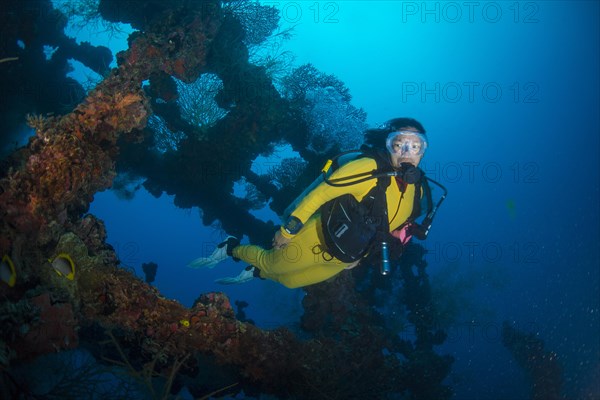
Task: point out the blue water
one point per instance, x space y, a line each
509 95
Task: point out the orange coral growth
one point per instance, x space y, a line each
105 115
178 67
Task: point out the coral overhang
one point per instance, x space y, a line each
46 190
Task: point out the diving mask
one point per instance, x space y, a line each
406 143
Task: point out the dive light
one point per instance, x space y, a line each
385 259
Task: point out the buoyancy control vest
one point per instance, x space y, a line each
350 227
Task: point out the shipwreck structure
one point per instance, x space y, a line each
46 188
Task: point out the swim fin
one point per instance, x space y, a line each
246 275
221 253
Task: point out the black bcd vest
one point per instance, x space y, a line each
351 227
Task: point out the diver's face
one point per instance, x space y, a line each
407 148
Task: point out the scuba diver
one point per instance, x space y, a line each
364 210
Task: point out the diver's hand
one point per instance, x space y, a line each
279 242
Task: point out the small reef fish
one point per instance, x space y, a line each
8 274
64 266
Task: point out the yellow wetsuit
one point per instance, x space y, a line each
302 261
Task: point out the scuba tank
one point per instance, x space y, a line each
356 230
326 171
420 231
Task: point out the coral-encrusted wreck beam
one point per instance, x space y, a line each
48 187
71 157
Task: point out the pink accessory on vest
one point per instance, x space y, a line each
402 234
